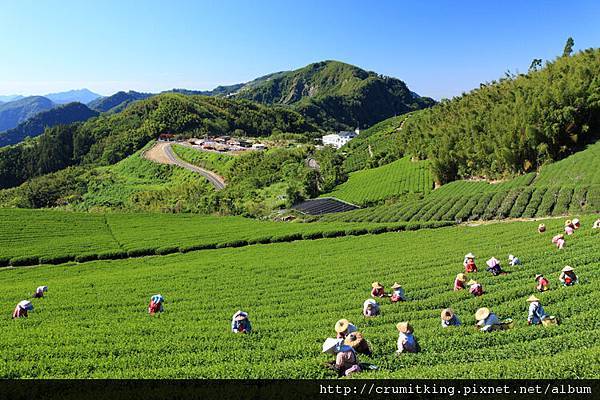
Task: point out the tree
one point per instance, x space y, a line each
535 64
568 47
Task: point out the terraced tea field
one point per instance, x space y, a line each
93 322
568 186
396 179
28 237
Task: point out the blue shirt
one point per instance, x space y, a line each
454 321
244 324
536 313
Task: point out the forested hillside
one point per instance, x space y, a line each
108 139
336 95
513 125
118 101
34 126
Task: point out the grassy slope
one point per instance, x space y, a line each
93 322
219 163
392 180
136 183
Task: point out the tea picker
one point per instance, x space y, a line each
240 322
39 292
156 304
459 282
475 288
370 308
542 283
494 267
469 263
449 318
537 315
346 361
513 261
567 276
22 308
559 241
487 321
378 290
407 343
398 293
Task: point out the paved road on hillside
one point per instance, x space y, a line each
163 153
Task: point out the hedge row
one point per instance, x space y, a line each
148 251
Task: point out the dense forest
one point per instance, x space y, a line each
336 95
513 125
108 139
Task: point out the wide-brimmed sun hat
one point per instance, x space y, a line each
567 269
404 327
330 345
447 314
369 302
538 276
470 255
376 285
511 257
482 313
353 339
568 222
532 298
461 277
575 221
472 282
26 304
342 325
396 285
492 262
240 315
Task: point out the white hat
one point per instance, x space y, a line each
575 221
470 255
240 315
567 269
511 257
492 261
331 345
369 302
26 304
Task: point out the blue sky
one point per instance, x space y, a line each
439 48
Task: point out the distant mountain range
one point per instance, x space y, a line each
329 94
12 97
15 112
80 95
34 126
118 101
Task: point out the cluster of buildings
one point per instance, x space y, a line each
339 139
226 143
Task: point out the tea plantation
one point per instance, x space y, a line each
567 186
93 321
396 179
30 237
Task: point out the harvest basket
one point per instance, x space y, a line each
550 321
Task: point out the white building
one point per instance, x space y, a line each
337 140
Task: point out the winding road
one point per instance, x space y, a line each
162 152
